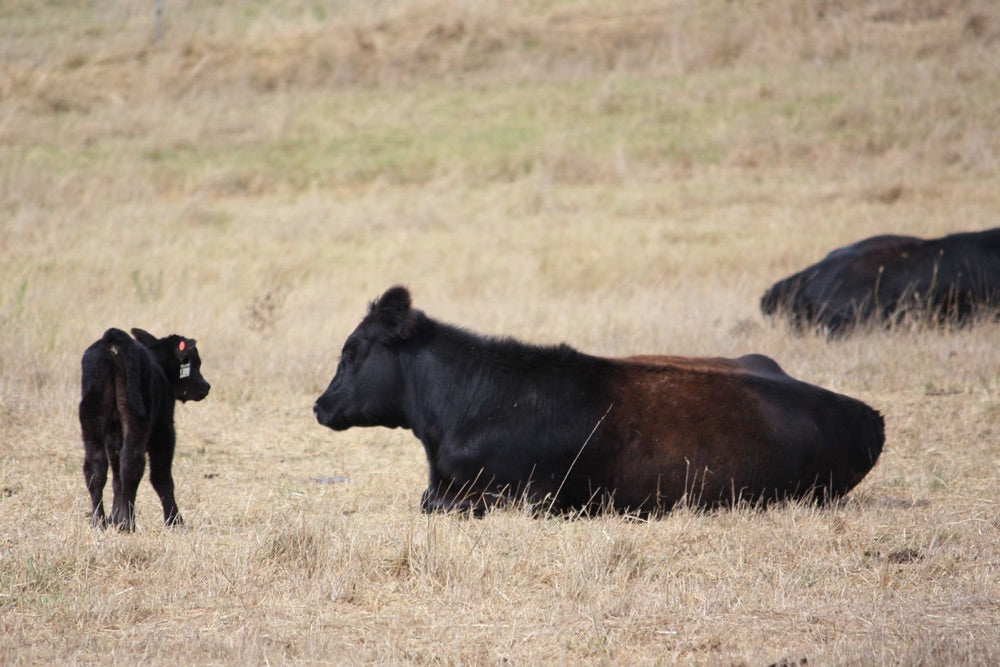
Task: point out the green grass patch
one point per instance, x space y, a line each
492 131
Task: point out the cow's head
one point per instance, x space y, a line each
178 357
367 389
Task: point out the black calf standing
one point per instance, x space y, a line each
127 412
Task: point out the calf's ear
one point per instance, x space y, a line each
145 337
394 313
182 346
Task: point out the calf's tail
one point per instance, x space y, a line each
127 357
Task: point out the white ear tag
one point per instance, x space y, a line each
185 370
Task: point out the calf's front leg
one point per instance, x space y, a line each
460 503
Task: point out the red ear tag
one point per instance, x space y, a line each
180 346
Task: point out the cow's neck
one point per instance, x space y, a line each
457 380
440 388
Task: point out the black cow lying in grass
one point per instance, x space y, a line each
127 412
886 278
570 432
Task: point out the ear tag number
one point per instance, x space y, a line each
185 370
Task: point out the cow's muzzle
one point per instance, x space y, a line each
326 417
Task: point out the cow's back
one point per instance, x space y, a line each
967 271
945 277
886 276
716 430
845 285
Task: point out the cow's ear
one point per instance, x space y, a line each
145 337
394 313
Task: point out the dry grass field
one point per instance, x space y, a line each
626 177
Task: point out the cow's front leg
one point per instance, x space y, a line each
161 454
460 503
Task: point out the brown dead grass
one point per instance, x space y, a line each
644 172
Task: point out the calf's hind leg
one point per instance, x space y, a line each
131 464
161 455
95 464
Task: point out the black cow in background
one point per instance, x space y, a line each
885 278
127 412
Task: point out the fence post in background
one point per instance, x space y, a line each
158 26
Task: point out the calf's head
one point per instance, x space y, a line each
178 357
367 389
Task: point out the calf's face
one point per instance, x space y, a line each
178 357
190 385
